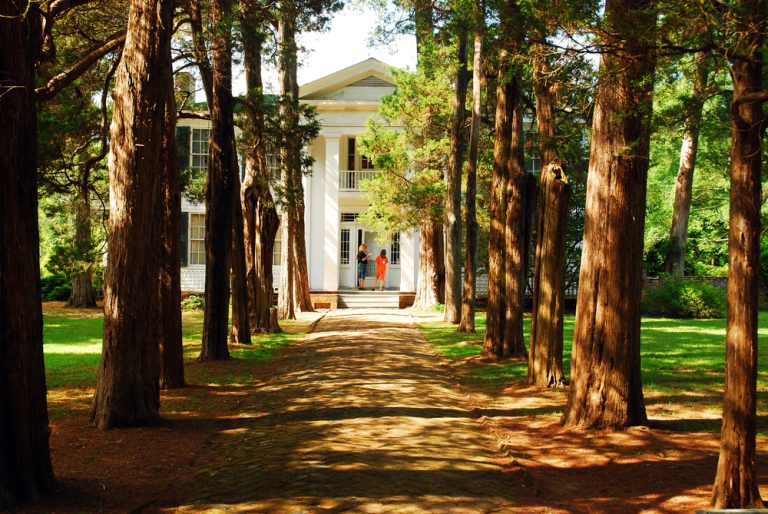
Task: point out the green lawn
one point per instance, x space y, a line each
682 360
72 346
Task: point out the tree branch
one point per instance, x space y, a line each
69 74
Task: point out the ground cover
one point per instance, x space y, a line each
121 470
669 468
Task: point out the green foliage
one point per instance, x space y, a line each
676 298
193 303
55 287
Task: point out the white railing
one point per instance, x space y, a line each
350 180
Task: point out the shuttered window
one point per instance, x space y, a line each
197 239
184 239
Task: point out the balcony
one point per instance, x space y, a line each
350 180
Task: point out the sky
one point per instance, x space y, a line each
345 44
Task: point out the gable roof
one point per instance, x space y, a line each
368 73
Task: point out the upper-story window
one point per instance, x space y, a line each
531 149
351 154
200 150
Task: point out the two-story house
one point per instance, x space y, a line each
344 101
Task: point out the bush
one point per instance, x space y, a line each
193 303
55 287
677 298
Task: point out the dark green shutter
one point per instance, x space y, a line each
184 239
182 146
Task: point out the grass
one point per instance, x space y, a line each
72 347
682 361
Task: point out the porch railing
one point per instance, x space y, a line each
350 180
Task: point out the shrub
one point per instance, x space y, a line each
193 303
678 298
55 287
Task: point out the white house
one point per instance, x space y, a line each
344 101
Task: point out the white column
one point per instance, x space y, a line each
306 182
409 261
331 246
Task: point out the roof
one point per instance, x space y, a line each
368 73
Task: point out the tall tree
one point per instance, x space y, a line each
606 390
678 234
240 332
736 482
516 224
471 238
25 462
453 186
260 215
221 181
545 363
171 349
127 389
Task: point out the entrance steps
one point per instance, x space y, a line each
352 299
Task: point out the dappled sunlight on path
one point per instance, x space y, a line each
359 417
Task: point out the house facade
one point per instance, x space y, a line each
332 196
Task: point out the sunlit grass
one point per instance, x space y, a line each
73 338
680 359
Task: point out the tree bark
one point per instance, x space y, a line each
453 189
25 462
241 332
219 189
260 215
127 389
545 364
171 341
82 294
493 345
606 390
674 263
287 294
470 245
428 287
545 360
514 233
736 483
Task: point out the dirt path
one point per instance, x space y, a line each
360 417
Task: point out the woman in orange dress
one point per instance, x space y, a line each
381 269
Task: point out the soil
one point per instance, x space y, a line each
362 416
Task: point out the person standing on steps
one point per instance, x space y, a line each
381 269
362 263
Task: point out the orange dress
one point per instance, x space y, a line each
381 266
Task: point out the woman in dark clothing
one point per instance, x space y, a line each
362 263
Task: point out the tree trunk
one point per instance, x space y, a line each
545 364
493 345
171 348
428 285
289 162
678 235
82 294
25 469
241 332
453 189
127 389
301 280
260 216
606 390
736 483
514 233
470 252
219 189
545 360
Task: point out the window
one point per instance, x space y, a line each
531 149
278 249
351 154
365 163
197 239
273 161
200 151
349 217
345 246
394 258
